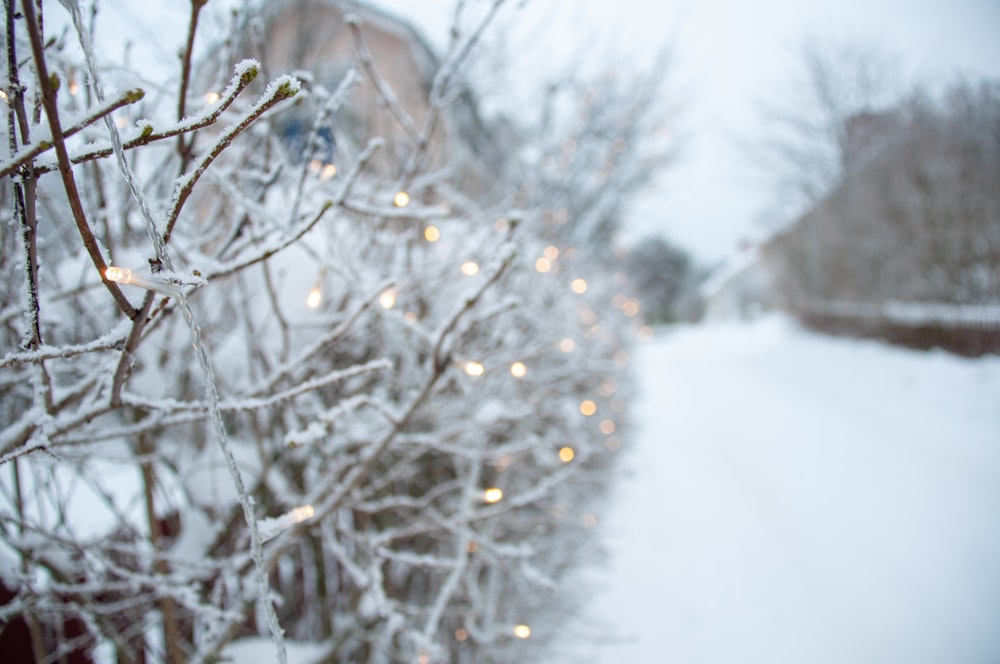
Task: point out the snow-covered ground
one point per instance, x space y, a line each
798 498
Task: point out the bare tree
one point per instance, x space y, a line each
271 368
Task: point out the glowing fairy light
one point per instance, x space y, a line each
543 265
3 96
300 514
401 199
315 165
609 387
551 252
388 298
472 546
461 634
475 369
567 345
211 98
588 407
566 454
272 527
607 427
631 308
124 275
74 87
121 121
327 172
432 233
579 286
470 268
518 370
522 631
315 297
492 495
424 658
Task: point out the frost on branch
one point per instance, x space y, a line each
400 321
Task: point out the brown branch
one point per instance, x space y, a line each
184 148
65 168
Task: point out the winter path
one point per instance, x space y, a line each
795 498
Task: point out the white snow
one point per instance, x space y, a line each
797 498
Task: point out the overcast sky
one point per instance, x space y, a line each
730 56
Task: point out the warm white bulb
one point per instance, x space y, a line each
493 495
518 370
470 268
401 199
314 298
522 631
475 368
121 275
388 299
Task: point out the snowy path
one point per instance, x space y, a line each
795 498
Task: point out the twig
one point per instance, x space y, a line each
282 88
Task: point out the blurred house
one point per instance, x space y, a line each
739 288
907 245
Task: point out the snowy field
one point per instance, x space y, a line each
797 498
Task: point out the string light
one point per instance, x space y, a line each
631 308
461 634
543 265
472 546
475 369
518 370
579 286
424 658
609 387
470 268
522 631
551 252
315 297
492 495
588 407
607 427
401 199
329 170
272 527
432 234
3 96
566 454
124 275
388 298
567 345
74 87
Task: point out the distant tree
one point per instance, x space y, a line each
917 220
663 276
807 136
281 358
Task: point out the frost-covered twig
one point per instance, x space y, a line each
284 87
